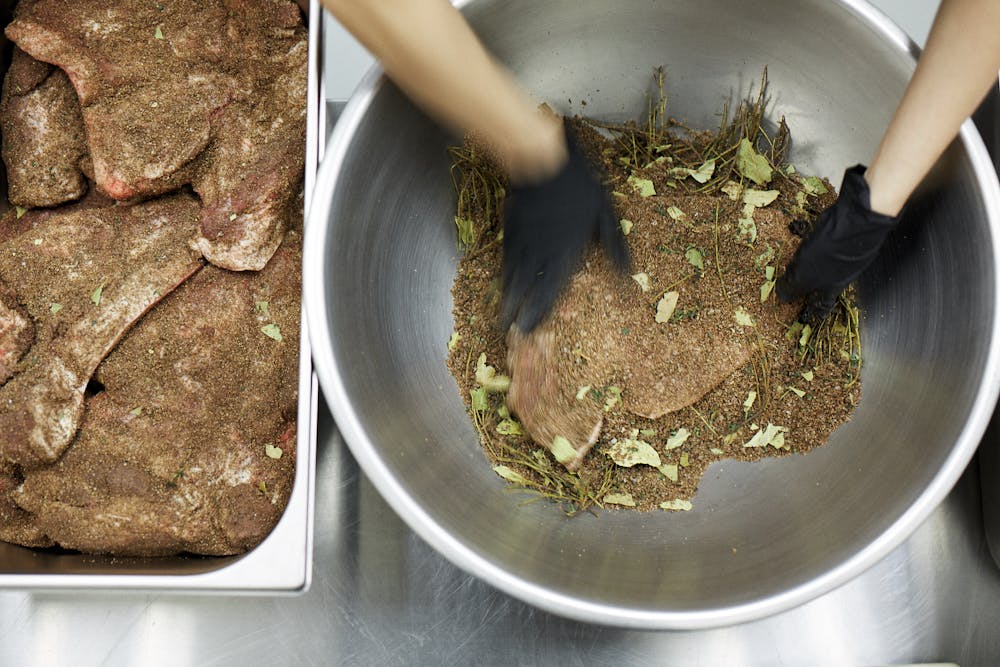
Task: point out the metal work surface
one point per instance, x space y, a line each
381 596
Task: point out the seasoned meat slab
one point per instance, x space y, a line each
17 525
84 277
16 333
43 137
580 346
180 452
210 93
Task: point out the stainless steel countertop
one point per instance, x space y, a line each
381 596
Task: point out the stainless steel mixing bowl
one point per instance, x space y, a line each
381 257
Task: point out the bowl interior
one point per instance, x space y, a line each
762 536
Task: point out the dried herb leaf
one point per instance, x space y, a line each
676 505
806 333
678 438
273 452
158 34
625 499
769 435
614 397
626 226
643 280
702 174
453 340
488 378
581 393
798 392
808 376
669 471
272 331
55 308
478 396
466 232
643 186
759 198
813 185
19 211
628 452
742 317
136 412
262 307
748 404
665 307
510 475
695 258
752 164
683 461
765 290
562 450
747 228
509 427
95 297
732 189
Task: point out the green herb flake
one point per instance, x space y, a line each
510 475
273 452
643 186
798 392
55 308
614 397
582 392
678 438
794 331
272 331
684 461
752 164
748 404
808 376
642 279
453 340
732 189
680 216
20 211
665 307
628 452
747 228
695 258
769 272
509 427
488 378
262 487
813 185
759 198
677 505
95 297
626 226
765 290
806 333
158 34
702 174
716 451
764 258
769 435
743 318
478 396
136 412
562 450
262 307
669 470
647 432
624 499
232 216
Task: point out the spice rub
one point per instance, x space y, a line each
687 361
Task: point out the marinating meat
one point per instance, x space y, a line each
16 333
173 93
84 277
191 444
43 138
17 525
580 346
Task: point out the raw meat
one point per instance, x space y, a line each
43 138
177 454
84 277
173 93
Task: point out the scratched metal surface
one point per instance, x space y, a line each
381 596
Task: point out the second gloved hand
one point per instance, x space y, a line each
547 228
845 240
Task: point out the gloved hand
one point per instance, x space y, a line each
845 240
547 227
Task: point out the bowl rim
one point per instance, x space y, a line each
348 422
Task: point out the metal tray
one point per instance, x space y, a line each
282 563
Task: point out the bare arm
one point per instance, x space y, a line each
429 51
957 68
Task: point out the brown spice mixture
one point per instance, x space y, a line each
695 372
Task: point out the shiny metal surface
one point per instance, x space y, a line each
381 596
282 563
763 537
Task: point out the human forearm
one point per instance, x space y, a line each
956 69
430 52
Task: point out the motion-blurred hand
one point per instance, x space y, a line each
845 240
547 228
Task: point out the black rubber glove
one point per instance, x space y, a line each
547 228
845 240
